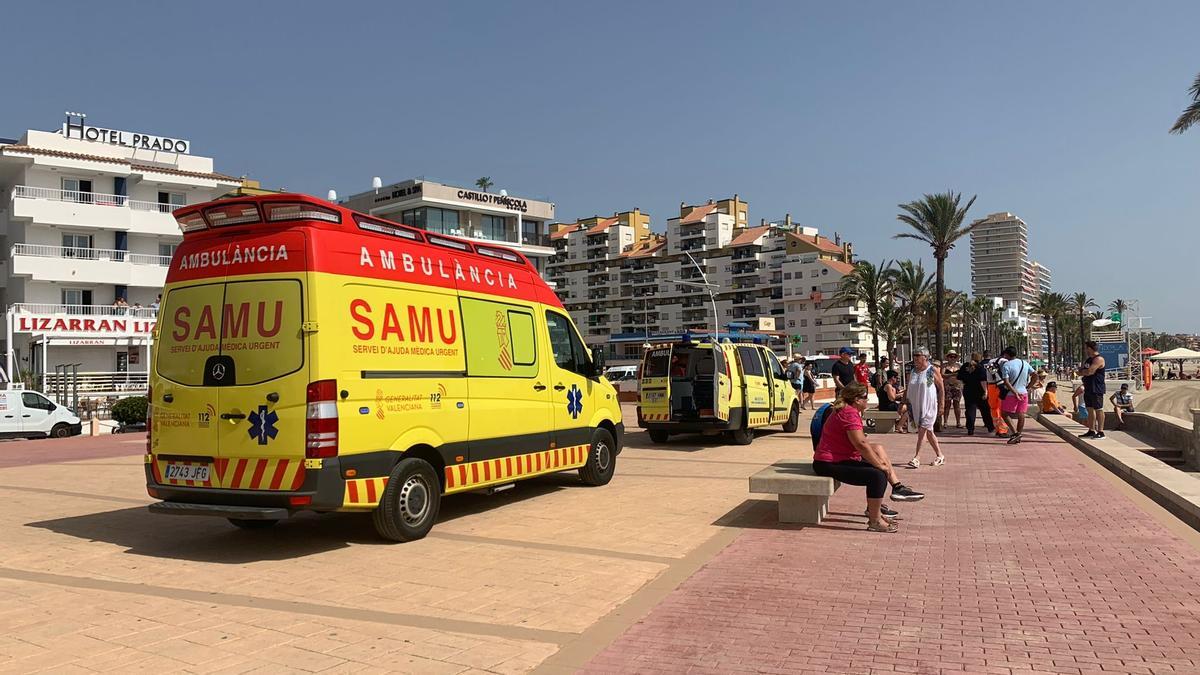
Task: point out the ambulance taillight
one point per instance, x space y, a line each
321 420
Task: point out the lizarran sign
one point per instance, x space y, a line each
77 127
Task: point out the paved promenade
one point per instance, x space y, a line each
1020 560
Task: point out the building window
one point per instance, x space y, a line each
169 201
77 190
77 246
167 250
787 275
804 323
76 296
493 227
531 233
442 221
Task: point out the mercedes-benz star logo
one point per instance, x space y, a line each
218 371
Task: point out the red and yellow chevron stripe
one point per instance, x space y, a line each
363 492
474 475
239 473
656 417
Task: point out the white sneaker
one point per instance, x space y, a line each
939 461
914 463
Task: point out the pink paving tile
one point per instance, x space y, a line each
1020 559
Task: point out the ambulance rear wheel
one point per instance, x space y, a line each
601 461
659 436
410 502
793 420
252 524
742 436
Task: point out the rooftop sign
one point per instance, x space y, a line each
77 127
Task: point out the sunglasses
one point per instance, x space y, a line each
864 397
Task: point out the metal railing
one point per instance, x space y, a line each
83 310
81 253
94 383
98 198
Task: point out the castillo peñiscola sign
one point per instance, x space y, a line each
78 128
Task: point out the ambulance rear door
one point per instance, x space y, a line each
722 383
757 387
264 388
654 387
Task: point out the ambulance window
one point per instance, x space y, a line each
569 352
657 363
524 343
500 339
189 330
751 362
260 328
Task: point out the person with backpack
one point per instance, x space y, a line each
841 452
1014 393
795 375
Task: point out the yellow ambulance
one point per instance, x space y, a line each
308 357
701 387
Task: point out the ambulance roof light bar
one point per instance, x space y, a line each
239 213
281 211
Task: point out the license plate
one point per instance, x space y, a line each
196 472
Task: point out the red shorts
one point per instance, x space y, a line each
1014 403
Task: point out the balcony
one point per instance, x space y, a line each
51 206
89 265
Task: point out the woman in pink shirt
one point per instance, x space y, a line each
843 454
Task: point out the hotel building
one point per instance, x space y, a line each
623 284
85 220
516 222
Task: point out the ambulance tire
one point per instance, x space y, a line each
601 461
742 436
793 420
410 502
659 436
244 524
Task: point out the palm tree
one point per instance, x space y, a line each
937 221
1191 114
911 284
871 285
1043 306
484 183
1119 306
1080 303
892 322
1059 306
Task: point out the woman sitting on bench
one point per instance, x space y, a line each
843 454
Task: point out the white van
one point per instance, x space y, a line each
29 414
621 373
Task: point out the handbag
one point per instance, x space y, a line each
1005 391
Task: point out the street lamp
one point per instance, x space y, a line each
706 285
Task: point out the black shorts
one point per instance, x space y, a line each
810 387
1093 401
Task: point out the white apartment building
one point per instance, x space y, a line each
86 220
632 285
516 222
1000 267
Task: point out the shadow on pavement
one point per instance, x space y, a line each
688 441
214 540
760 514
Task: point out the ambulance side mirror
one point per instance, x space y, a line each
597 361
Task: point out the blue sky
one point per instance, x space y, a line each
833 112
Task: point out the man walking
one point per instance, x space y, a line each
843 370
1015 380
974 381
795 375
862 371
1092 374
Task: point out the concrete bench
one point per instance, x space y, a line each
879 421
803 495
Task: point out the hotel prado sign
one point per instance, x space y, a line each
77 127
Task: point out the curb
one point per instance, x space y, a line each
1170 488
